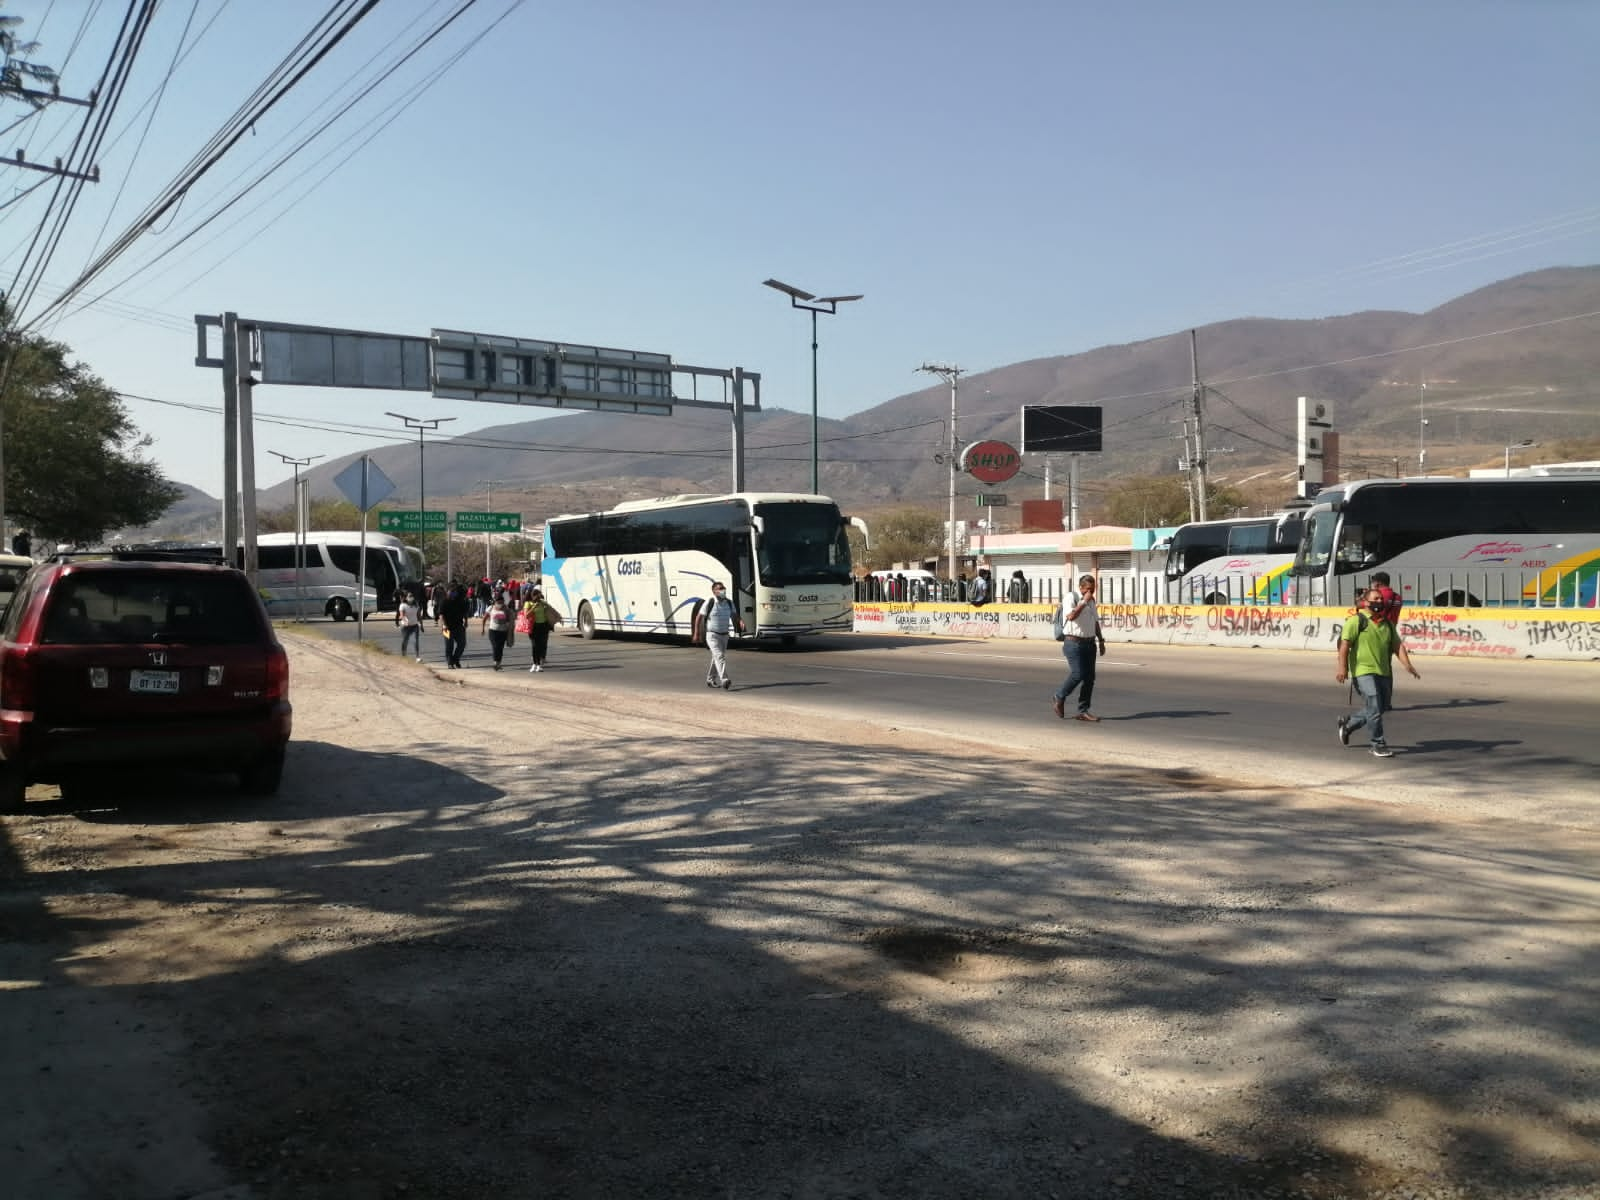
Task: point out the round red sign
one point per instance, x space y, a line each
991 462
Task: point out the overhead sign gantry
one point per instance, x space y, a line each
452 365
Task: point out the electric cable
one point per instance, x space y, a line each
174 192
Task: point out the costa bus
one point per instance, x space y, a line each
330 572
647 566
1240 560
1457 543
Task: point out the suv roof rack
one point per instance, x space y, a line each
198 554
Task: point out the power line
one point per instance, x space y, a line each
219 145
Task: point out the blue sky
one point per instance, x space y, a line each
1002 181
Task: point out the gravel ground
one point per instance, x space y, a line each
494 940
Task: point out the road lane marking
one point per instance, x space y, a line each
907 674
1020 658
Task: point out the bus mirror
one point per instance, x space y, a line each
759 524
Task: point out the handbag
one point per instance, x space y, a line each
524 622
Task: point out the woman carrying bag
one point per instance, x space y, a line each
536 619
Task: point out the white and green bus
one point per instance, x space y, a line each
647 566
1455 543
1236 560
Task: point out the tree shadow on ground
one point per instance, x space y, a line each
679 972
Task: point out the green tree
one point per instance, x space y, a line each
1150 501
72 464
907 535
325 514
16 72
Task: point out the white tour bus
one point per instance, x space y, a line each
648 566
328 577
1240 560
1455 543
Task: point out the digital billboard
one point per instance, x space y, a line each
1060 429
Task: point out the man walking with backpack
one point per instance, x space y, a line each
1078 630
716 622
1373 641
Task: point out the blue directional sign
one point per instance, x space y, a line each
364 484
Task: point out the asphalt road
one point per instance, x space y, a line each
1475 737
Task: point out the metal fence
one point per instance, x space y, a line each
1441 589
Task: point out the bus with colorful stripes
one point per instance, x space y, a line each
1528 541
1239 560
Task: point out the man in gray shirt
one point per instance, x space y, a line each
716 620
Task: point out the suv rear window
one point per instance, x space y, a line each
133 608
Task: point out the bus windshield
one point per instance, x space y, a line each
1316 543
801 543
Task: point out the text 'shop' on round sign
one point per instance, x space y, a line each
991 462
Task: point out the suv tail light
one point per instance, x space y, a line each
17 680
277 673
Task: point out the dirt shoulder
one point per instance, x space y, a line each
493 940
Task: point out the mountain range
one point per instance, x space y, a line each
1515 360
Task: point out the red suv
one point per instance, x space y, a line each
115 662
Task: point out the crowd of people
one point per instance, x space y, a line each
503 608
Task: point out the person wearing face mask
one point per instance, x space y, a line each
1368 645
1078 630
715 623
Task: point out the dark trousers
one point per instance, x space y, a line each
541 642
457 643
1080 656
497 643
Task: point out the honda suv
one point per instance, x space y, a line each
120 661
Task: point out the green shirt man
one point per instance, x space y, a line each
1377 642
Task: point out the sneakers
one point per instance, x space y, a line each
727 684
533 668
1344 731
711 683
1379 750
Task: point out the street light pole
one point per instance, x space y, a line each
488 486
952 376
299 531
422 425
812 304
1522 445
1421 429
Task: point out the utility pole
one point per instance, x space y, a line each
1197 461
951 375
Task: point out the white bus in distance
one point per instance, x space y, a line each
1455 543
327 581
1239 560
647 566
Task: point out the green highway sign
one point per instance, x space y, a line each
488 522
411 521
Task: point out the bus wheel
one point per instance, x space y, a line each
1217 598
1457 599
339 608
585 621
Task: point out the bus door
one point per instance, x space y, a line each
744 582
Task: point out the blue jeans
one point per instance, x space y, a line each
411 635
1376 690
1080 658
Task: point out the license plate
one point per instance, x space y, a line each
161 682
